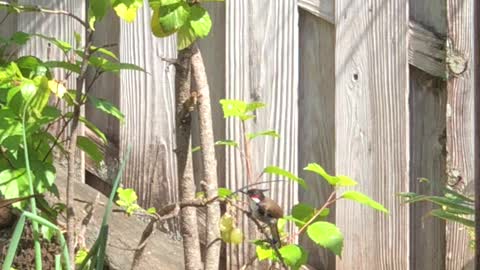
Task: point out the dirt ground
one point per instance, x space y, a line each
25 259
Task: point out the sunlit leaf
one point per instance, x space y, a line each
363 199
332 180
200 21
107 107
271 133
294 256
326 235
90 148
278 171
127 9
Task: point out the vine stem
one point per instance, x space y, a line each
73 146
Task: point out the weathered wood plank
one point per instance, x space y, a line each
316 126
107 32
426 50
147 100
324 9
460 120
371 69
261 52
60 27
427 122
124 232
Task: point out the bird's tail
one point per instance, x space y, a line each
275 235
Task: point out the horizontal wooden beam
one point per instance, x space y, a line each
426 50
108 168
322 8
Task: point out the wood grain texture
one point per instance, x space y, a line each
60 27
107 87
316 126
324 9
426 50
371 69
428 138
427 122
147 100
460 123
262 52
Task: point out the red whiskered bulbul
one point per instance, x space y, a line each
266 210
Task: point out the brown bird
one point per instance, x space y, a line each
266 210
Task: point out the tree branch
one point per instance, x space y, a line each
186 182
209 163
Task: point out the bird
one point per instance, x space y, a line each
265 210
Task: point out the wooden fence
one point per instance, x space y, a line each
379 90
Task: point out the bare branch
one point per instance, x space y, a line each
33 8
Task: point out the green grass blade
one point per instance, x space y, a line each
33 205
101 248
58 264
96 250
12 248
65 254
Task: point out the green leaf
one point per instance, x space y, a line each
20 38
264 251
63 64
302 213
152 210
253 106
100 50
326 235
440 213
62 45
97 10
127 9
31 67
173 17
227 143
14 184
278 171
224 193
185 37
363 199
341 180
106 65
128 195
107 107
294 256
90 148
233 108
271 133
200 21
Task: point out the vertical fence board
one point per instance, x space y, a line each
427 107
460 123
147 100
60 27
427 123
261 57
371 129
316 132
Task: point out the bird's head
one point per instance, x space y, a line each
256 194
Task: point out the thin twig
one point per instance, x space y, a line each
32 8
329 201
4 18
